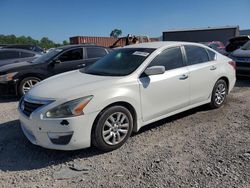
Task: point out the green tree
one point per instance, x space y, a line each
116 33
45 42
65 42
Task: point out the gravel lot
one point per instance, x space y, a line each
198 148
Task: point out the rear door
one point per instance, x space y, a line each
203 71
168 92
94 54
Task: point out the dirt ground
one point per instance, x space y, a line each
197 148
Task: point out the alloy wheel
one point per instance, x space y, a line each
27 85
220 94
116 128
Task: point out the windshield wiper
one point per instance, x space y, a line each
102 74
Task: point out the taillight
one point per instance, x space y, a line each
233 64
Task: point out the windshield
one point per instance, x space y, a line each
120 62
45 57
246 46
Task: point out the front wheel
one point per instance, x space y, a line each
219 94
113 128
26 84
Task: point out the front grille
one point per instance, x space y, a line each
29 107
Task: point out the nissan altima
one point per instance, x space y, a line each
129 88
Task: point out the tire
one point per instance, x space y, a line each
26 84
112 129
219 94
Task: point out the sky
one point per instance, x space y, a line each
61 19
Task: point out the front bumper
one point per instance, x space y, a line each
243 71
55 133
242 68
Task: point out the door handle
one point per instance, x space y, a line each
81 65
213 68
183 77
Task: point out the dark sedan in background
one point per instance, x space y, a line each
242 58
8 56
30 47
25 75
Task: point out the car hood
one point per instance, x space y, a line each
241 53
9 66
68 85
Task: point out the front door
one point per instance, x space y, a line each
70 60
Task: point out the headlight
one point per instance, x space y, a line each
7 77
69 109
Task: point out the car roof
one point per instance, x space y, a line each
78 45
11 45
161 44
17 49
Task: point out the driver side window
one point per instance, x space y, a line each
71 55
170 58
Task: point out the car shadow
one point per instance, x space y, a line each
8 98
173 118
17 153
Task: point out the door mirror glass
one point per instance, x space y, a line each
56 61
154 70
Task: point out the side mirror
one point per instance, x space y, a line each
154 70
56 61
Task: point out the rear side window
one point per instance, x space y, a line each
170 58
196 55
212 55
26 54
96 52
71 55
9 55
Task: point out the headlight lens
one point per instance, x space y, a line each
69 109
7 77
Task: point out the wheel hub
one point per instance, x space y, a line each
115 128
220 94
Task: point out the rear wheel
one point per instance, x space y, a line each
26 84
113 128
219 94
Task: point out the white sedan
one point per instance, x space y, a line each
131 87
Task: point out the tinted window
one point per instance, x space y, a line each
9 55
212 55
170 58
96 52
71 55
196 55
26 54
120 62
